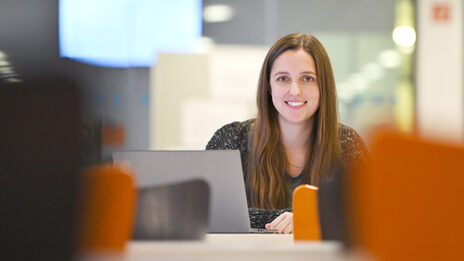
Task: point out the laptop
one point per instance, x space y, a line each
221 169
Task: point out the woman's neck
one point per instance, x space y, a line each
295 136
295 139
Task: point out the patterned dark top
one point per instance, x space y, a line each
234 136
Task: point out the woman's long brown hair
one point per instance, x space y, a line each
267 170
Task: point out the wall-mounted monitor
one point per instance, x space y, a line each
127 33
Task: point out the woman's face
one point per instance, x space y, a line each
294 87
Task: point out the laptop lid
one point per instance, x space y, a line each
221 169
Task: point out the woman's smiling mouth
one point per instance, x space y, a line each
296 104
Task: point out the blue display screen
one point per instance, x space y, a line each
127 33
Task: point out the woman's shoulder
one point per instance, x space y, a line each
347 133
236 128
230 136
353 146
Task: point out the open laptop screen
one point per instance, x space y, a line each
221 169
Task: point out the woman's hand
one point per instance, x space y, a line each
283 223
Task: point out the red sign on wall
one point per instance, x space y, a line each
441 12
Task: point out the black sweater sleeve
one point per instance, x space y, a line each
260 217
226 138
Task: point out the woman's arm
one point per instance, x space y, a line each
260 217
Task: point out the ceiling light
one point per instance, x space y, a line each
390 58
8 75
345 91
205 44
407 49
217 13
404 36
359 82
373 71
6 70
13 80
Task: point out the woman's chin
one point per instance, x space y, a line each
294 120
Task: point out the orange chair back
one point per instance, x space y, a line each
306 224
107 209
408 202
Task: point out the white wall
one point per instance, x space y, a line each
192 95
439 88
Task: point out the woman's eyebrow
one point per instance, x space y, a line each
286 73
308 72
280 73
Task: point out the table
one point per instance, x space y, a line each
236 247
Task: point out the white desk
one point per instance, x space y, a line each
236 247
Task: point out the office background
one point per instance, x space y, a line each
379 81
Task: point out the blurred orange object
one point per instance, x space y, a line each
107 209
407 203
113 135
306 224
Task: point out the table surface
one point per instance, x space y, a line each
237 247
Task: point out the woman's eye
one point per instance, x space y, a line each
282 79
308 78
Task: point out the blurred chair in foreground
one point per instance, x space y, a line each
40 158
306 225
407 203
106 210
319 212
332 205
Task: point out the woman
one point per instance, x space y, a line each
296 137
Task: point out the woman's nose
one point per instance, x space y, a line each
295 89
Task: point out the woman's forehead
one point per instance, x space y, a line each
294 60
